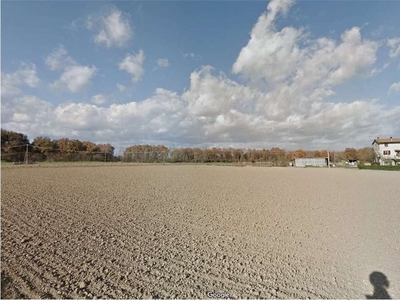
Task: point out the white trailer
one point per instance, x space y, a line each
312 162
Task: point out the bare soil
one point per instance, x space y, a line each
182 231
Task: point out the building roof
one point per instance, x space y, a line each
387 141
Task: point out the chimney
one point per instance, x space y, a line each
390 138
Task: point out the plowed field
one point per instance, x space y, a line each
182 231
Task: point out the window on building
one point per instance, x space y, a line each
386 145
386 152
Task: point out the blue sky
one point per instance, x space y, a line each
310 74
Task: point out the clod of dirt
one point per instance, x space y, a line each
82 284
26 239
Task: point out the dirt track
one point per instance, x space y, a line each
180 231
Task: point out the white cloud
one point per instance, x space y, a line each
214 110
394 88
290 108
158 114
99 99
190 55
26 114
114 29
75 78
269 54
394 45
275 57
132 64
296 73
380 70
24 76
163 62
121 88
59 59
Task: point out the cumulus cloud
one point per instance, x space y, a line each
394 88
157 115
59 59
26 114
114 29
270 54
99 99
133 65
214 110
394 45
295 72
275 57
163 62
284 100
24 76
74 77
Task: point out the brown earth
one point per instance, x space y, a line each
181 231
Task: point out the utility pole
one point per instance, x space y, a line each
26 154
329 163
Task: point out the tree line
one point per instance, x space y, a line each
15 145
273 156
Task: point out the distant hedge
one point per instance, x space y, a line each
378 167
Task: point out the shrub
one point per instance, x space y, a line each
378 167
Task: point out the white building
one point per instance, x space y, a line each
387 151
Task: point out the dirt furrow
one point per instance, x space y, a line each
168 231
